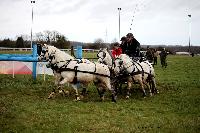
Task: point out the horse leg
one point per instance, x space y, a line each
149 88
154 88
65 80
129 84
120 87
51 95
56 82
76 91
108 85
58 78
142 88
83 92
101 92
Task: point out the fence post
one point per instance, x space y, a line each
34 52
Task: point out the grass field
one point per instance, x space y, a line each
24 106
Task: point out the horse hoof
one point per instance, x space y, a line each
51 95
61 92
81 96
102 98
78 99
151 94
114 100
66 92
127 97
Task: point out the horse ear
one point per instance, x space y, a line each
103 49
45 44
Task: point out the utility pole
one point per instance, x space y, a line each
119 9
189 50
32 2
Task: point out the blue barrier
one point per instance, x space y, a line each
79 52
23 57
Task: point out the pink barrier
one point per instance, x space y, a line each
14 67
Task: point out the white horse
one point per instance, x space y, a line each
105 57
73 71
142 73
43 50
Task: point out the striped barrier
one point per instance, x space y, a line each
23 57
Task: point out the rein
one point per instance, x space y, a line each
135 72
64 68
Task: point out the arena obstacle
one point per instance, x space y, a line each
23 57
32 58
79 52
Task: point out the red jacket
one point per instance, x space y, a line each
116 52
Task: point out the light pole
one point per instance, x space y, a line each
189 32
119 9
32 2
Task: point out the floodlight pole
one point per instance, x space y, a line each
189 50
119 9
32 2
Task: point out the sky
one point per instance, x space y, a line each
152 22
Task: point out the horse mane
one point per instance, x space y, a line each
53 50
110 54
124 57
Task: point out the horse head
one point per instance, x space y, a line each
105 57
122 63
42 50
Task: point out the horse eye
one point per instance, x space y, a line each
50 57
104 55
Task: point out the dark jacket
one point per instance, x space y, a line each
133 48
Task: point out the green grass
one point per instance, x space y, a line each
24 106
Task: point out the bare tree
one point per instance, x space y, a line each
99 43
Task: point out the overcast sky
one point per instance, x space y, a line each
151 21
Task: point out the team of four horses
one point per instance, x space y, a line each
104 73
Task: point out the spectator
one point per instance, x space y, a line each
123 44
149 55
155 57
116 51
72 51
163 56
132 46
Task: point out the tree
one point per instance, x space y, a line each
20 42
60 41
99 43
7 43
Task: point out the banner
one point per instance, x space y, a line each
16 67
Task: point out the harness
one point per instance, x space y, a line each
65 66
136 69
103 58
76 71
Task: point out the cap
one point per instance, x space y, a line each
123 38
116 44
129 35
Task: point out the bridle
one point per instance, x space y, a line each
102 58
